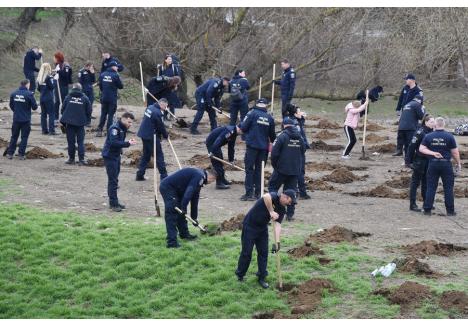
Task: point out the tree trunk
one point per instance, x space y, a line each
24 21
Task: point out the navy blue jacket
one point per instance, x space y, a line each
220 137
170 71
105 64
244 86
115 141
109 83
407 95
187 183
413 149
258 216
440 141
76 109
86 78
211 91
287 83
287 152
301 128
259 127
410 116
65 75
30 58
158 86
47 90
21 102
152 123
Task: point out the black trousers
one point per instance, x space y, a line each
174 221
23 128
418 178
253 237
76 135
107 113
351 140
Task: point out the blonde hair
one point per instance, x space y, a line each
45 71
356 104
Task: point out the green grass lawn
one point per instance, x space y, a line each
59 265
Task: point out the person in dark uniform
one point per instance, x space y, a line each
217 139
63 76
151 124
161 87
76 114
418 162
46 85
270 207
286 158
178 190
21 103
87 78
107 59
109 84
287 85
29 66
259 127
115 142
238 87
170 69
409 121
408 93
440 146
295 113
208 95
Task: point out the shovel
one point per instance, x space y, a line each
188 218
180 122
226 162
155 178
364 157
221 112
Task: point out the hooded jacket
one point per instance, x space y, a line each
287 152
76 109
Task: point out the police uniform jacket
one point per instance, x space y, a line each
286 155
152 123
76 109
259 128
47 89
109 83
86 78
258 216
21 102
220 137
211 91
410 116
65 75
440 141
243 84
287 83
105 64
407 95
413 149
115 141
170 71
30 61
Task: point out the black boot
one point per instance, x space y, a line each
70 161
225 181
221 185
398 153
189 237
263 283
414 207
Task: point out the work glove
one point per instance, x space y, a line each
195 222
275 248
210 154
56 77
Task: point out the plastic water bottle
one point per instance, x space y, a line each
388 269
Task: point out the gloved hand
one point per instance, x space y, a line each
195 222
56 76
210 154
275 248
165 78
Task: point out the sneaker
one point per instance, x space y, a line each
140 178
82 163
189 237
45 132
451 213
345 157
222 186
22 157
70 162
304 196
116 209
195 132
398 153
263 284
247 198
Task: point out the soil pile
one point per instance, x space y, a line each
326 124
460 192
374 138
342 175
308 296
464 155
318 185
3 142
432 247
402 182
336 234
322 146
385 148
454 300
325 134
381 191
233 224
305 250
270 315
135 156
96 162
409 294
90 147
414 266
41 153
175 135
325 166
372 126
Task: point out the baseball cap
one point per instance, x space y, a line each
410 76
262 101
113 64
291 194
289 121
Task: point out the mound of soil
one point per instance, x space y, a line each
233 224
381 191
41 153
371 126
326 124
318 185
336 234
342 175
402 182
322 146
90 147
96 162
385 148
460 192
432 247
409 294
135 156
270 315
456 300
305 250
324 260
174 135
3 142
414 266
325 134
464 155
374 138
326 166
308 296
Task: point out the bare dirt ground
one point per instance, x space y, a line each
373 201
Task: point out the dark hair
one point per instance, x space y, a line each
128 115
284 60
88 64
238 71
165 58
226 79
24 82
426 118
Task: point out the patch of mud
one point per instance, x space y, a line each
371 126
432 247
175 135
325 134
343 175
320 145
3 142
318 185
306 297
381 191
336 234
324 260
270 315
90 147
233 224
414 266
454 300
305 250
326 124
402 182
96 162
460 192
135 156
374 138
408 295
326 166
385 148
41 153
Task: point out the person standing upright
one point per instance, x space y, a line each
109 84
29 66
287 85
63 76
352 110
87 78
46 84
170 69
238 87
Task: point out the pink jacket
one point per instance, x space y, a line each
352 115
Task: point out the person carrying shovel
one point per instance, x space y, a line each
270 207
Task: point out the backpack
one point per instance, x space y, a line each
236 92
